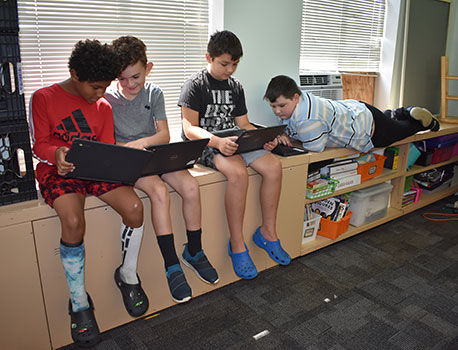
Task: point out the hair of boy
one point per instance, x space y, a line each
281 85
130 51
93 61
222 42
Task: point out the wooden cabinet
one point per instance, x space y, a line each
22 318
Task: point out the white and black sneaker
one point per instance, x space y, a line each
425 118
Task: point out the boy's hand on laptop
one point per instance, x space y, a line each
139 144
227 146
285 140
269 146
63 167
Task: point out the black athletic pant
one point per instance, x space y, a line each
392 126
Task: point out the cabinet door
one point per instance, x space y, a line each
22 318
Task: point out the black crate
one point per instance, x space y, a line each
17 179
9 16
12 103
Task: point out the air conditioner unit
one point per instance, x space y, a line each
327 85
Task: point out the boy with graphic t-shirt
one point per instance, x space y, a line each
60 113
212 100
140 121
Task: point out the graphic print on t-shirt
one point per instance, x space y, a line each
73 128
218 114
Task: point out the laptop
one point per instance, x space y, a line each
286 151
252 139
100 161
175 156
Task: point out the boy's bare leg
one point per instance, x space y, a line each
158 194
236 193
126 203
70 209
188 189
269 167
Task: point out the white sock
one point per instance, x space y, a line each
131 239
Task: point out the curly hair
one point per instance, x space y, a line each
130 50
222 42
94 61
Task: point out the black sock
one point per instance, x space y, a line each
194 241
167 247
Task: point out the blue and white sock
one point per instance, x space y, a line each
131 240
72 256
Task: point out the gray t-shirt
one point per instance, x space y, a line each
137 118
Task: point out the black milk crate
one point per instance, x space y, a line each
9 16
12 103
17 179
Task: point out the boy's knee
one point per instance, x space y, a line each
238 174
159 193
73 226
133 213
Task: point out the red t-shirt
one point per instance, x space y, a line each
58 117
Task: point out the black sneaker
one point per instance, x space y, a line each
200 265
179 288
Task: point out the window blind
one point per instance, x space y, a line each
175 33
341 35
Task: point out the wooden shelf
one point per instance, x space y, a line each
321 242
397 178
386 175
415 169
427 199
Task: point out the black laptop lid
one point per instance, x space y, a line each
254 139
175 156
100 161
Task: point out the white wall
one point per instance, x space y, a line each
270 34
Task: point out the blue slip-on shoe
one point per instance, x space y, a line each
274 249
242 264
133 295
179 288
200 265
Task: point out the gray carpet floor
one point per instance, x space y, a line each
392 287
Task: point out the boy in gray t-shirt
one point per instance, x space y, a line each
140 121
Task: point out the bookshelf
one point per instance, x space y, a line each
396 177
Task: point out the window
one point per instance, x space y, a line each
341 35
174 31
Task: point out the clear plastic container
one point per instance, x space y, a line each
369 204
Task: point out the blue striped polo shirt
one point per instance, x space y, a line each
319 122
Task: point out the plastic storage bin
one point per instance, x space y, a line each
333 229
311 228
369 204
12 104
372 169
16 184
9 16
325 190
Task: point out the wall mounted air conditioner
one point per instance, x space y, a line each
327 85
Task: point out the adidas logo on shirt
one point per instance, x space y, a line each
69 131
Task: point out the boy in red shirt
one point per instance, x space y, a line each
60 113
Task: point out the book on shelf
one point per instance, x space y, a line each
345 174
340 167
334 208
348 181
